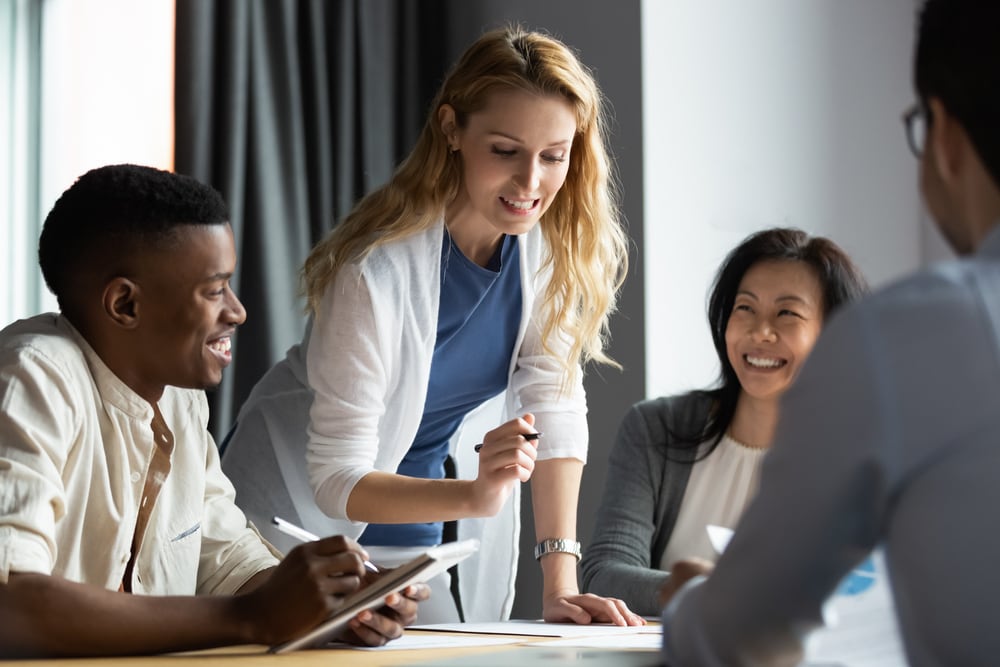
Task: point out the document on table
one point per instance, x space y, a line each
643 640
410 641
861 617
541 628
541 655
862 631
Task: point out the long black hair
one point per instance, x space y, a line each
840 278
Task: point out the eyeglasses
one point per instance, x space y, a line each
916 119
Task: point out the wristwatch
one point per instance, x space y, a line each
559 545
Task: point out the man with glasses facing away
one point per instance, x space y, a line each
891 435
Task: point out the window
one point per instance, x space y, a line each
88 83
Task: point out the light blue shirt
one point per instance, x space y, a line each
890 436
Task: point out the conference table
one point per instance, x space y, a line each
521 651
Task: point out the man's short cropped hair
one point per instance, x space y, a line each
958 61
112 212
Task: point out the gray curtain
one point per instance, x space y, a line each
293 109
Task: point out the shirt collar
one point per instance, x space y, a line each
990 247
111 388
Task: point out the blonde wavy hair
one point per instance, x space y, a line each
587 247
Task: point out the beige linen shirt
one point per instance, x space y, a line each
75 446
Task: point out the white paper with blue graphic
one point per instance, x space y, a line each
861 618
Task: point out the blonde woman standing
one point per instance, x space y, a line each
488 265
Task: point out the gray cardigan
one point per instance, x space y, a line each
642 495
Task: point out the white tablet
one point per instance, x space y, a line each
428 564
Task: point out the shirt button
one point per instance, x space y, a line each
135 477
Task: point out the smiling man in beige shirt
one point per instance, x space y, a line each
109 481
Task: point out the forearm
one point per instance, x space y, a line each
381 497
555 488
638 586
256 581
44 615
618 561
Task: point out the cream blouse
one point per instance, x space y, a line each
719 489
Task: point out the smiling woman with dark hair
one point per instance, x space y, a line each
684 462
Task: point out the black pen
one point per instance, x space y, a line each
527 436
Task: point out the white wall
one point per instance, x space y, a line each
107 97
16 142
768 112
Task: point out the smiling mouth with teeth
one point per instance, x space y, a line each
222 345
764 362
520 205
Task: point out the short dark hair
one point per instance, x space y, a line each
115 210
841 281
958 61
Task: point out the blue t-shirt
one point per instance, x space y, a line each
478 318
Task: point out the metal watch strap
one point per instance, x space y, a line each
559 545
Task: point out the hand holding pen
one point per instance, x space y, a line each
303 535
300 591
372 627
506 455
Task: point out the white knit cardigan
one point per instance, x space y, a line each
366 358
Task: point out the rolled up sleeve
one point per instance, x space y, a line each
232 551
348 376
539 386
34 440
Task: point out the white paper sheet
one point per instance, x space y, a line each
410 641
861 618
719 536
541 628
643 640
541 655
863 631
